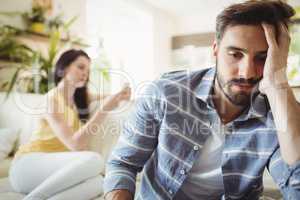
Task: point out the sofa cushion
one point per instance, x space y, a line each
21 112
11 196
106 134
5 186
4 167
7 193
8 138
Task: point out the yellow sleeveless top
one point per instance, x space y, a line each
44 139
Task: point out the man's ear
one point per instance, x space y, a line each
215 48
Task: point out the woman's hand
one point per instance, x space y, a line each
125 93
114 100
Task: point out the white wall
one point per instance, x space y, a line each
203 20
71 8
294 2
143 47
164 26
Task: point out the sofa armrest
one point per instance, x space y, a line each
4 167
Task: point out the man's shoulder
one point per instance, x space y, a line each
183 75
186 78
175 82
174 74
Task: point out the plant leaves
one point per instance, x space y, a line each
13 82
68 24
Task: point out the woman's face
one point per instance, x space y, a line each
77 72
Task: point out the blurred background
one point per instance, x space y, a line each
128 40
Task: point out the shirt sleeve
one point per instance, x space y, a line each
287 177
137 141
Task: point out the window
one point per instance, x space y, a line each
127 34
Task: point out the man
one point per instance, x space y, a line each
210 134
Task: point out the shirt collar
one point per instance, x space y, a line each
204 89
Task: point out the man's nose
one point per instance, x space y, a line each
247 69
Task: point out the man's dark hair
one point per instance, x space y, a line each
253 12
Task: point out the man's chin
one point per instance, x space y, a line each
240 99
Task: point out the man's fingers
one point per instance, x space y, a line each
284 37
270 35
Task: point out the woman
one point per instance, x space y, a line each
55 163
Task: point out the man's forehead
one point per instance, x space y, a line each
245 37
234 48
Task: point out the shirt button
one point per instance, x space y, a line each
170 191
196 148
182 172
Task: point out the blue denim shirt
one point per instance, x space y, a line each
166 132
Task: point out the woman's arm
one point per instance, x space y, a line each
96 97
79 140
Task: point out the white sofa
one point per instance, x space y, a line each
21 113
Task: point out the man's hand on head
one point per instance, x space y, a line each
274 75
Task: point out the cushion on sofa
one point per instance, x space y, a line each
21 111
106 134
4 167
8 138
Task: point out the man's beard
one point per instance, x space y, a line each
241 98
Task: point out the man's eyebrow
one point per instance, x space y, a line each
245 50
236 49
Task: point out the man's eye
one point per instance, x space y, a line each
235 54
261 58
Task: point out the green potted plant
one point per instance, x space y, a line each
30 70
294 53
14 56
36 20
10 49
